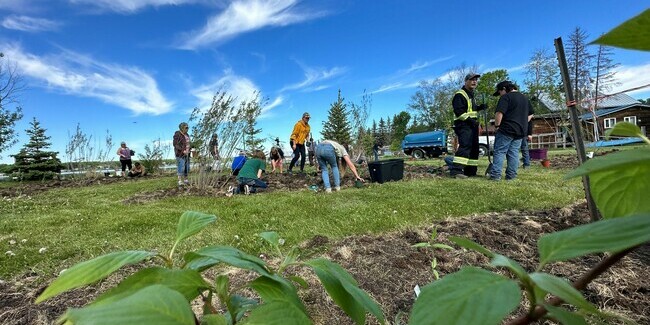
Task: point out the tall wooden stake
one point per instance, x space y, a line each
575 125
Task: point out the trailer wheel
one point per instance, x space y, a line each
418 154
482 150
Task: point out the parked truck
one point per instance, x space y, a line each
434 143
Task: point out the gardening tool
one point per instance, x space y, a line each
487 137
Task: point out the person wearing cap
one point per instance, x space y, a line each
513 113
125 157
297 140
465 162
181 142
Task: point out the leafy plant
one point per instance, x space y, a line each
433 245
162 294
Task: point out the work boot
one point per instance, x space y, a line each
460 176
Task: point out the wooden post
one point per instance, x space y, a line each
575 124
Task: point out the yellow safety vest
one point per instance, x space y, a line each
470 113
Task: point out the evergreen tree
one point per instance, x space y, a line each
337 127
374 132
389 130
34 162
579 62
382 132
252 110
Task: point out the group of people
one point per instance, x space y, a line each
512 122
125 154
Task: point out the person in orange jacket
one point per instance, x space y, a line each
297 140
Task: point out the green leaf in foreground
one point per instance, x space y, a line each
469 296
622 192
277 288
518 270
564 316
468 244
156 304
613 161
191 222
610 235
214 319
562 289
345 291
277 313
633 34
624 129
271 237
212 255
189 283
91 271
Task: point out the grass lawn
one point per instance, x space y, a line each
76 224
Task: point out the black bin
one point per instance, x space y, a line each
386 170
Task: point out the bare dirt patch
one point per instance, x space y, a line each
388 268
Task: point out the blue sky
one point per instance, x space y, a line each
137 67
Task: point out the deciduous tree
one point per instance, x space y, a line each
10 111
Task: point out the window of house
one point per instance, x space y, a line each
630 119
610 122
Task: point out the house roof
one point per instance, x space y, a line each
617 100
607 111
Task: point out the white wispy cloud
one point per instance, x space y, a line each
130 6
237 86
29 24
72 73
313 76
630 77
409 77
243 16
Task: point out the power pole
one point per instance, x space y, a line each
575 124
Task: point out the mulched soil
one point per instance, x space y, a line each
388 268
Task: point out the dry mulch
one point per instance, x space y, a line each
388 268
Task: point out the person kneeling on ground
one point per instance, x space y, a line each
327 153
137 171
249 175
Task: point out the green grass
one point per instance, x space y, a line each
80 223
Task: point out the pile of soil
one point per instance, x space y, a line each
388 268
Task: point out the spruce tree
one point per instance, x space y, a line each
337 127
34 162
382 132
252 110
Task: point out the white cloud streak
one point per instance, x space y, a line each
243 16
76 74
237 86
130 6
313 76
407 78
631 77
29 24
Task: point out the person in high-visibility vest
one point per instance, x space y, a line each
466 126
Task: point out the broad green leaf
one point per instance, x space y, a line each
212 255
614 161
345 291
562 289
91 271
469 296
468 244
500 260
610 235
434 234
300 281
441 246
241 305
222 285
418 245
155 304
277 313
564 316
622 192
271 237
214 319
191 222
624 129
189 283
632 34
276 288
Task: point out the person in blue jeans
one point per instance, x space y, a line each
328 152
525 153
249 176
513 112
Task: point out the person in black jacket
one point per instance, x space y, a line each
513 113
466 125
